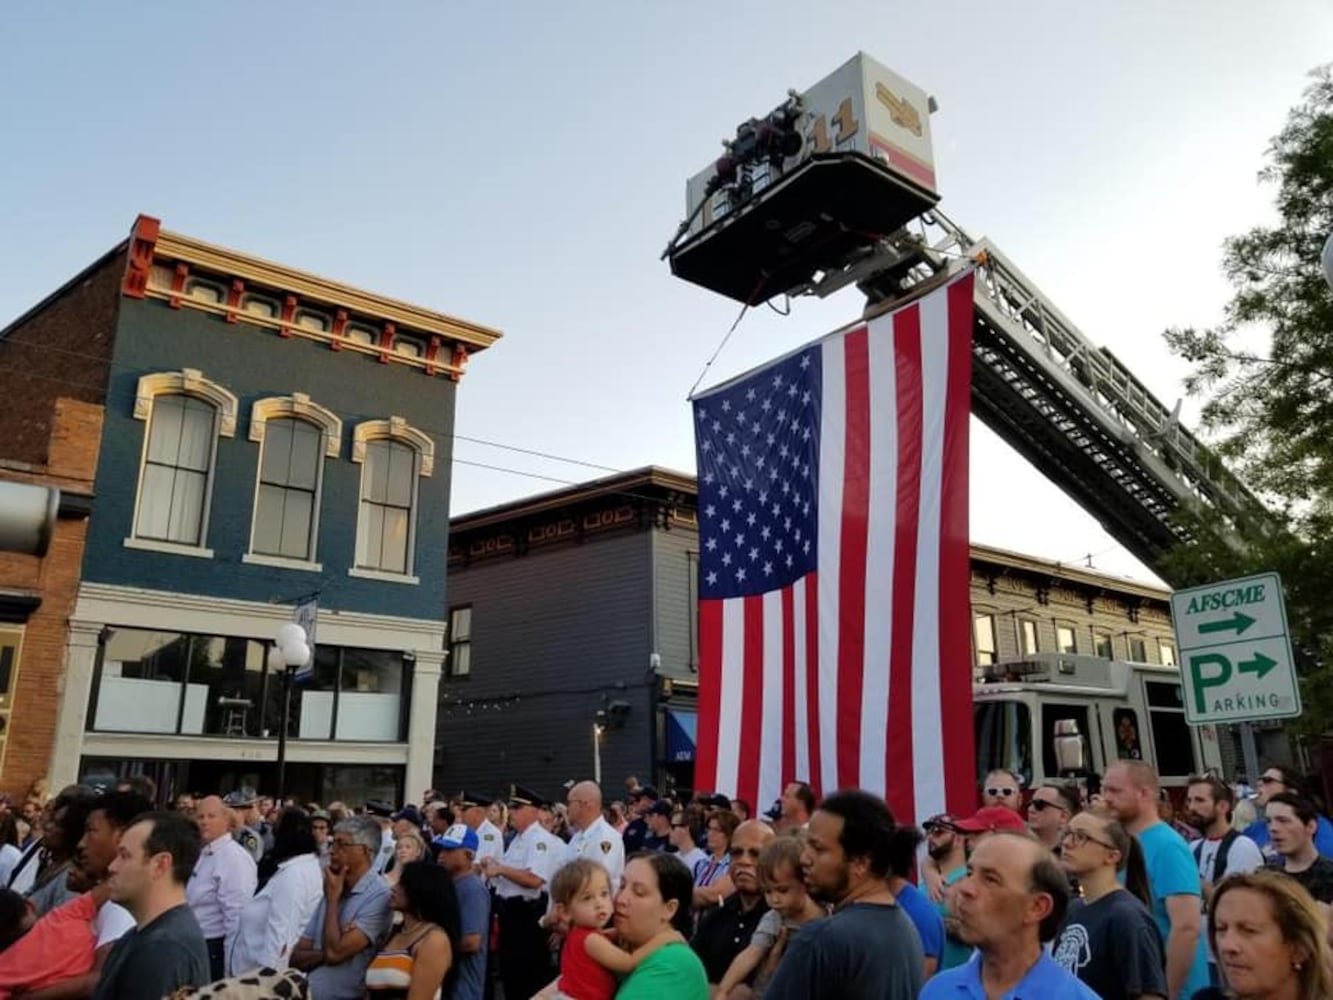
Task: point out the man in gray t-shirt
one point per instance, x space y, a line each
868 948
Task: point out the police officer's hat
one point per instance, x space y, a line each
520 796
241 797
377 807
470 800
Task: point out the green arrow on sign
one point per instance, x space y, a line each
1258 666
1238 622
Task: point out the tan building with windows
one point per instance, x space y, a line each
1023 605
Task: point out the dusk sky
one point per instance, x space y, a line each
522 165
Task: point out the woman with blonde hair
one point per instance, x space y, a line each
406 849
1269 938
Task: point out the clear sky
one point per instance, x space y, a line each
523 164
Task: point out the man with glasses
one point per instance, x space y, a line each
1278 779
1002 788
340 939
725 930
944 845
1049 812
594 838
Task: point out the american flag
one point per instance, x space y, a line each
834 635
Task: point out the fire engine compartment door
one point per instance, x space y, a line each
1053 712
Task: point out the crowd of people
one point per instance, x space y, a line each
1050 892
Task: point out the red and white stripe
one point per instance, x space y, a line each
860 674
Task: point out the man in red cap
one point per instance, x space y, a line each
988 819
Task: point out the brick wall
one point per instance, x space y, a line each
74 439
62 348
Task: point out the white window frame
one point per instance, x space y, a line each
297 406
399 430
186 382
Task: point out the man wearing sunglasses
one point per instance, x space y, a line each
724 930
1002 788
1277 779
1049 812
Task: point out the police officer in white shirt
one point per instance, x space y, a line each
383 813
520 879
595 839
489 836
222 883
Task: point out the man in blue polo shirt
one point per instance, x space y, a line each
1011 902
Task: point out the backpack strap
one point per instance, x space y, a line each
1223 849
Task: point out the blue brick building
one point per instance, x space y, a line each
270 439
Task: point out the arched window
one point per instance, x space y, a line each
185 414
295 436
392 455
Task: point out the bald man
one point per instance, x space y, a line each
595 839
223 882
725 930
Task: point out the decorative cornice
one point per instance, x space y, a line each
158 264
397 429
190 382
298 404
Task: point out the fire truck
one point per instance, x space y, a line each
1051 717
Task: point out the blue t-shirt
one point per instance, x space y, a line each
1044 981
929 925
955 952
474 911
1323 837
1173 872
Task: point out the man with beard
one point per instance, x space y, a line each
725 930
1222 851
1130 792
944 844
868 948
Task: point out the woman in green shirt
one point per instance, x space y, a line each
655 896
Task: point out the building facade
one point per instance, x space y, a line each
269 440
569 603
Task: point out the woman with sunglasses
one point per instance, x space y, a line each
1109 939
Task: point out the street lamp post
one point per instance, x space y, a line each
597 752
289 653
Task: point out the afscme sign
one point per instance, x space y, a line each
1235 654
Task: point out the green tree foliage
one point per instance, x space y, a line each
1270 408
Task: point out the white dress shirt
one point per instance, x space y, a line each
222 883
490 841
24 873
602 844
380 863
533 850
272 921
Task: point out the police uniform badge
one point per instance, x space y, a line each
541 845
606 847
488 837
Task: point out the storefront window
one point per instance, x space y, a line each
140 689
198 685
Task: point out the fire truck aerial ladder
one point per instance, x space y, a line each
836 186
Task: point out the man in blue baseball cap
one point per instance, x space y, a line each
458 851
